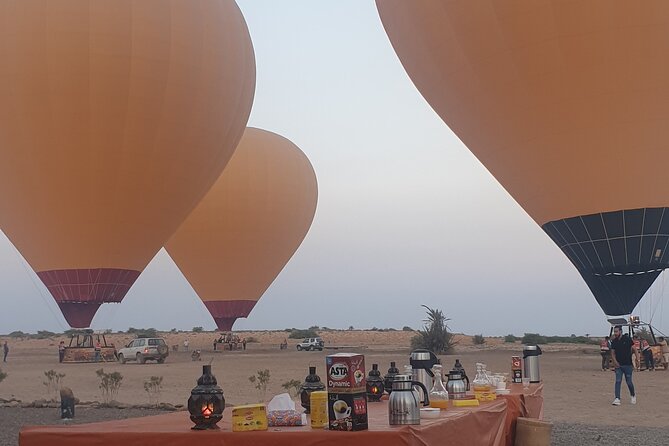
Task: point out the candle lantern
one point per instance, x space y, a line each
311 383
390 377
206 402
374 384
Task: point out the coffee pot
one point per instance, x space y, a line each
458 366
422 362
403 407
456 387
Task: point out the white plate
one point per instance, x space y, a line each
429 412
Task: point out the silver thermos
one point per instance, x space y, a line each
531 363
422 362
403 407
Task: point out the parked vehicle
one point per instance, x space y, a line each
142 349
310 344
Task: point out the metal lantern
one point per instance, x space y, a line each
206 402
390 377
311 383
374 384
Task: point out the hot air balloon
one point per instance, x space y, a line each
116 117
566 104
249 225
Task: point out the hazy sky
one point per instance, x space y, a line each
406 214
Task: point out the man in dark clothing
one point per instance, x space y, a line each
622 348
5 350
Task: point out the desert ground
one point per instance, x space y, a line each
577 393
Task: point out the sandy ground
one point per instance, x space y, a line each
576 390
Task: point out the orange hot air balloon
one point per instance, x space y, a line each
566 103
242 234
116 117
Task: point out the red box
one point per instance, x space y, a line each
346 373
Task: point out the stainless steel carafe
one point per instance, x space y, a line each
456 387
422 362
531 363
403 407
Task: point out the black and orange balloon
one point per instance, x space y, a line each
566 103
248 226
116 117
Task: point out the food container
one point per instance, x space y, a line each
346 373
251 417
319 409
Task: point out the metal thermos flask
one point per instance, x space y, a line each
531 363
403 407
422 362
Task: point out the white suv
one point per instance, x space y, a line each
142 349
311 344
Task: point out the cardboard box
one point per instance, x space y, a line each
251 417
347 411
346 373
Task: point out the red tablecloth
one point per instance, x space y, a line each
491 423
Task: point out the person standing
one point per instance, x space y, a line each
665 352
5 351
637 352
605 351
622 349
244 343
61 351
98 350
186 345
647 355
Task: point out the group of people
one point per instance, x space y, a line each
623 352
231 339
641 347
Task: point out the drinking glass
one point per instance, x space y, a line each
526 383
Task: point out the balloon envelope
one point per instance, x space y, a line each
242 234
116 117
566 104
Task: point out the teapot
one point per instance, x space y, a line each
456 387
403 406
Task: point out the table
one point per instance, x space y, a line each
492 423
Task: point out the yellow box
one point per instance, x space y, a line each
251 417
465 403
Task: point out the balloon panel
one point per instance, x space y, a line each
115 119
242 234
565 103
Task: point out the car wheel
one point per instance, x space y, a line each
140 358
309 348
121 359
299 348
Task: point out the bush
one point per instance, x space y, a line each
407 328
292 386
261 381
153 387
110 383
301 334
43 334
435 335
314 328
52 383
198 329
478 339
533 339
510 338
18 334
143 332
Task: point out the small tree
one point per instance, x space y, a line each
154 387
52 383
407 328
435 335
261 381
198 329
110 383
478 339
510 338
292 386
